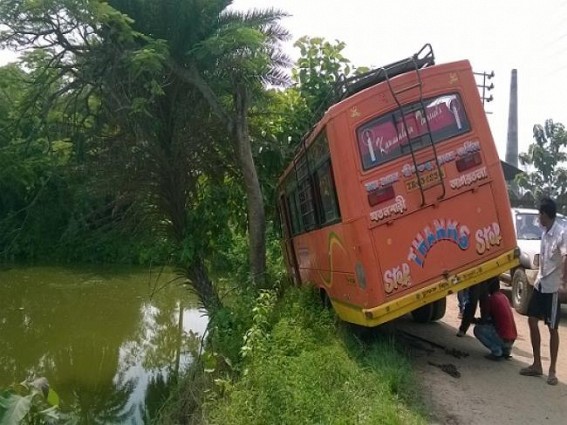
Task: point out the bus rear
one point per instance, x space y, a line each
423 204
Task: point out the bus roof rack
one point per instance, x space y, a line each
346 87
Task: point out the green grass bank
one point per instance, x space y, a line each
299 365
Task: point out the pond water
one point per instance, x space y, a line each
110 341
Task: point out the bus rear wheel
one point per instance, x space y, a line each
430 312
423 314
325 300
439 308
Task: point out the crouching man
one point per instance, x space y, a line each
498 333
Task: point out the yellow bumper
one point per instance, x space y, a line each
390 310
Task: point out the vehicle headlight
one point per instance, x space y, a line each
536 261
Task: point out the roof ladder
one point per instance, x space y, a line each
415 62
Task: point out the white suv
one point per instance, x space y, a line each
522 278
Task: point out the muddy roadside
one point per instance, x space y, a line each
462 387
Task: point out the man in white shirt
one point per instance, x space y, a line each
544 303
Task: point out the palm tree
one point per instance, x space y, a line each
228 56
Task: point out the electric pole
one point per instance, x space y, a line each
485 87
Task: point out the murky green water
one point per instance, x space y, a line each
109 341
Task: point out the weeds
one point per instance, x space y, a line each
307 370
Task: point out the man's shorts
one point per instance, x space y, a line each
545 307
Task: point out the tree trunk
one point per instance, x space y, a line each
196 273
254 198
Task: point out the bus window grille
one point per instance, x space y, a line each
415 62
306 206
302 170
305 189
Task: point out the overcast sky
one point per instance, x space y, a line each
496 35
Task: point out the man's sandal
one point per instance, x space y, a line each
530 371
552 380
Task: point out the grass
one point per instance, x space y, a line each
308 369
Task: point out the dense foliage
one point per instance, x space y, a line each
34 402
153 100
142 133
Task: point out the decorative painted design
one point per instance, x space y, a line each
470 146
384 136
398 207
409 169
354 112
447 157
469 178
384 181
333 241
396 278
443 230
487 237
453 78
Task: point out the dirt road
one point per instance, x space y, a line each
487 392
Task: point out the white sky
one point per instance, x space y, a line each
496 35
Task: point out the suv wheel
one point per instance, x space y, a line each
521 291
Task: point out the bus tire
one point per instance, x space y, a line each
325 300
521 291
423 314
439 308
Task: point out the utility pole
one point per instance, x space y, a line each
512 141
485 87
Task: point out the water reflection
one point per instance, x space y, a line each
108 343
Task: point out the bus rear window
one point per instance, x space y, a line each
385 138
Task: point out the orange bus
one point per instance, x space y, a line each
397 198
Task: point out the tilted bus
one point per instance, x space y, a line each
397 198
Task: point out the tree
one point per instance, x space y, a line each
546 157
227 56
33 159
140 73
319 69
242 51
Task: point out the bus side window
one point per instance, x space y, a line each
310 194
327 194
306 205
294 213
292 205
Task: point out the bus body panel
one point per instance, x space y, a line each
328 260
437 241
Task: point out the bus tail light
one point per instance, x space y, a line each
380 195
469 161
